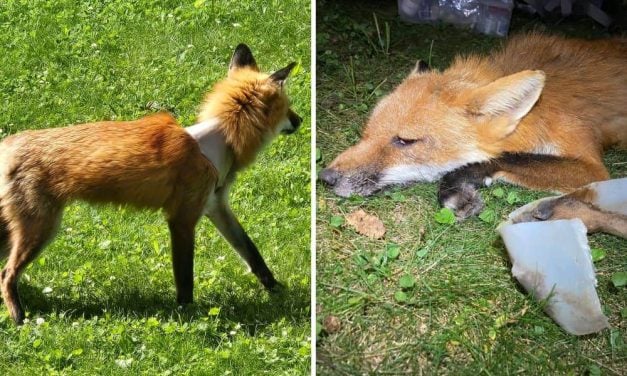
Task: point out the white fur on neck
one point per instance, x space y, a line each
425 172
416 173
213 146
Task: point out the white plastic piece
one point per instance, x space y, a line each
611 195
552 260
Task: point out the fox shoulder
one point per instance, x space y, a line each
162 134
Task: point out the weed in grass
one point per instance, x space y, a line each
445 216
384 40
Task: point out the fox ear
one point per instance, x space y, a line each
509 98
242 58
420 67
281 75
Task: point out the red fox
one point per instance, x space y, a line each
538 113
148 163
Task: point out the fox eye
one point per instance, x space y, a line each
401 142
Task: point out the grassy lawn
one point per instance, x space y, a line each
465 314
100 299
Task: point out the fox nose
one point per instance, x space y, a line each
295 119
330 176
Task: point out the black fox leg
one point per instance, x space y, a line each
4 238
459 189
182 235
228 225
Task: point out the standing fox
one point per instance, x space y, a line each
148 163
538 113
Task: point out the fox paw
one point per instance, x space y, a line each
545 210
278 289
465 201
562 207
269 282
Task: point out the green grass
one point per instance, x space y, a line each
100 299
465 314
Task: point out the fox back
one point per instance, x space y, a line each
136 162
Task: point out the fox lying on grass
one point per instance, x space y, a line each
539 113
148 163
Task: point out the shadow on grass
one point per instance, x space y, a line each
290 304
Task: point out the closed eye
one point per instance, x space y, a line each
402 142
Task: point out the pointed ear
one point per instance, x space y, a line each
242 58
421 67
281 75
509 98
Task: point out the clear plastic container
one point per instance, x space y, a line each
491 17
417 11
494 17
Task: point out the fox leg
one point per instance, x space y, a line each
182 232
228 225
4 237
575 205
547 172
458 189
29 234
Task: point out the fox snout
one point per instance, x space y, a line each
294 122
330 176
354 172
361 182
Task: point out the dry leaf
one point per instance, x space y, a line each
423 328
332 324
366 224
322 204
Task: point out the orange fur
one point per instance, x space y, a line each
148 163
139 162
249 106
578 204
483 106
151 162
